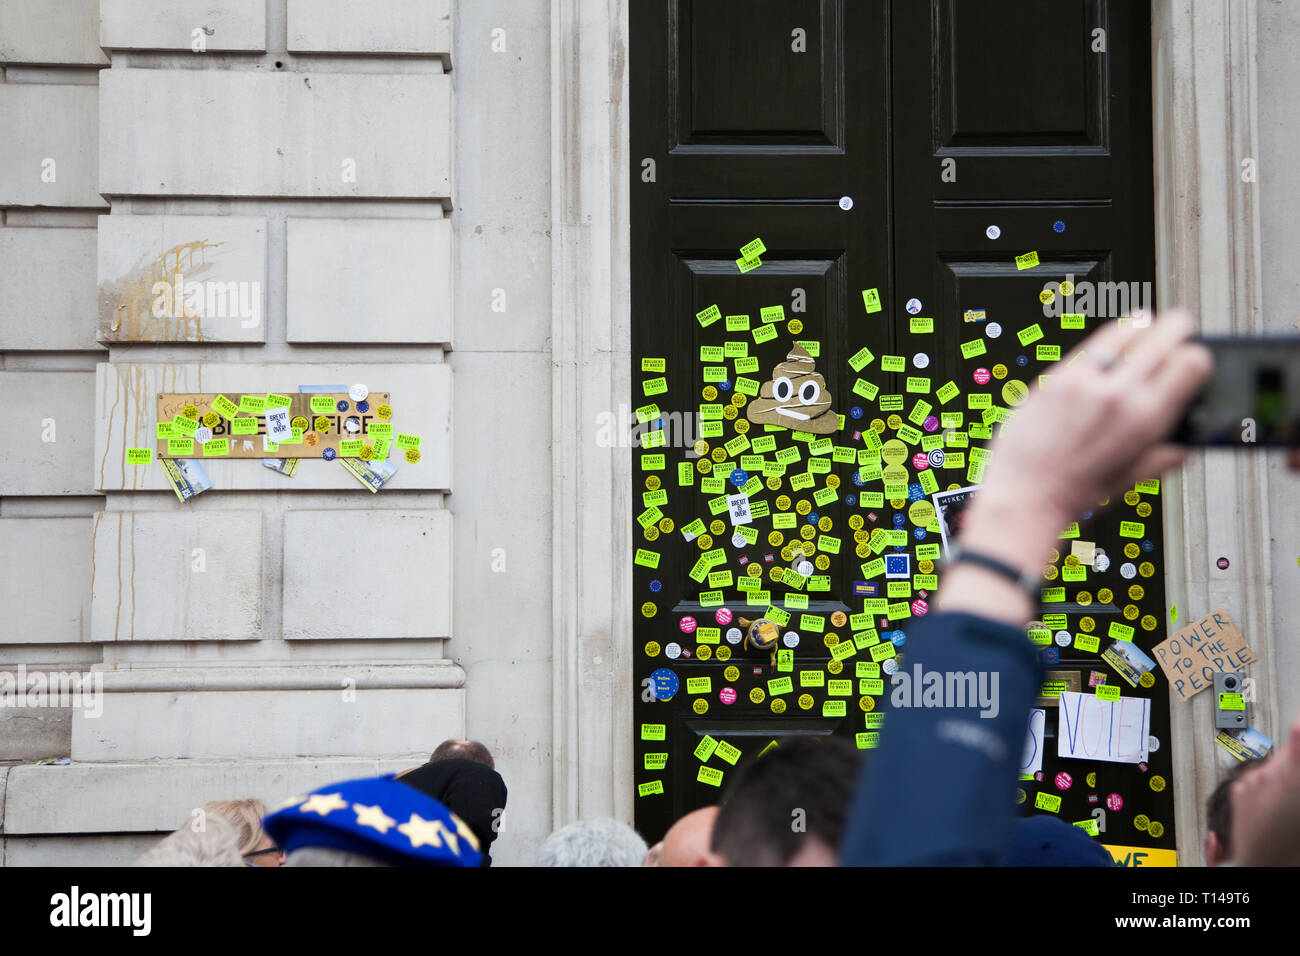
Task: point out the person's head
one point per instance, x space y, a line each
463 750
245 816
376 818
472 791
1218 815
216 843
789 807
600 842
687 841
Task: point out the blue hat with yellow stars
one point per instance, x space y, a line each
375 817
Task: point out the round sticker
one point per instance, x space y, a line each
893 452
723 653
920 608
358 393
889 667
1147 680
1222 564
1141 821
1047 296
1127 570
1091 779
1156 829
930 424
665 684
1014 392
913 306
921 513
672 650
937 458
756 695
1021 797
1067 287
790 639
203 435
994 232
999 371
703 652
352 425
1153 744
722 615
211 418
652 649
920 461
727 695
384 411
846 203
1063 638
1114 802
921 360
700 705
648 609
1157 783
993 330
412 455
839 619
806 701
1101 563
778 705
981 376
732 672
1063 781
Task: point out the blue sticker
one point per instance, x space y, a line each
915 492
898 565
812 517
1051 655
739 476
858 479
856 411
665 684
342 406
918 534
328 454
1058 226
850 500
1022 361
656 586
724 386
899 520
1086 516
1148 546
363 407
897 638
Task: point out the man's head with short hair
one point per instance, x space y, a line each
1218 815
463 750
687 841
789 807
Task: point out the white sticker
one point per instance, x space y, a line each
790 639
921 360
805 568
913 306
673 650
352 425
993 232
993 330
1063 638
738 541
734 636
846 203
203 435
277 425
890 665
739 508
1127 570
1153 744
1100 563
358 393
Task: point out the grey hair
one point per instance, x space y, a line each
215 844
600 842
328 856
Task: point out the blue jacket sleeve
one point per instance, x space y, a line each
939 790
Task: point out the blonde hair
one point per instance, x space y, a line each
244 815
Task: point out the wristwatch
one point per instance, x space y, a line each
1028 581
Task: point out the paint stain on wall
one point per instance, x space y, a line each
153 302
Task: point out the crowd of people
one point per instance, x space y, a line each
943 781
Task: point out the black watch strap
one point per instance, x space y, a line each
1028 582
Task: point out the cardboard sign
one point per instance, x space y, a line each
1094 729
1192 657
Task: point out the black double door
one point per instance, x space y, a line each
916 151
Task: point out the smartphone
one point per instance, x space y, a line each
1251 400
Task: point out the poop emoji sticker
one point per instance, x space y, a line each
796 397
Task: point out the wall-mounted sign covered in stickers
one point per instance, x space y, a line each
795 397
271 425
